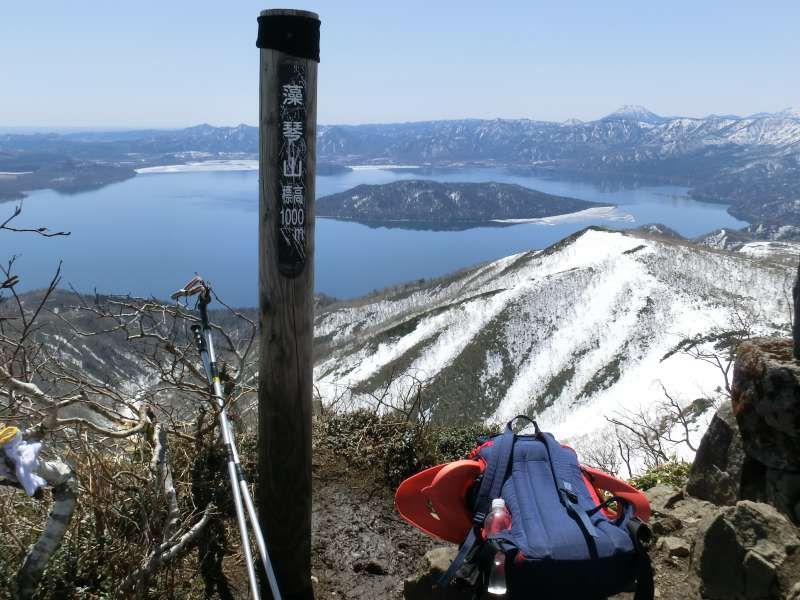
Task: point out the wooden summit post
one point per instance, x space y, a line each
289 43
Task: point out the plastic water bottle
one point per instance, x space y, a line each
498 520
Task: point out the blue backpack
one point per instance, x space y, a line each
561 544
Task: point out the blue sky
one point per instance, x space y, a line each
172 63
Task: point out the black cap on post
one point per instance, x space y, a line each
294 32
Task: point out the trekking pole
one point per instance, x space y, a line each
241 491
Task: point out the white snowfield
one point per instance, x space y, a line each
766 249
381 167
207 165
610 213
580 331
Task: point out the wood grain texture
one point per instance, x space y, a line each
285 387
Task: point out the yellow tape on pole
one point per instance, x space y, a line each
7 434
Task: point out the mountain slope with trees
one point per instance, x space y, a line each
599 325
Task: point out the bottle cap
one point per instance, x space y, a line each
498 503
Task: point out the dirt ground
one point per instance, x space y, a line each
672 579
361 548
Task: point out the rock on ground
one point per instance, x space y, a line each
422 585
747 551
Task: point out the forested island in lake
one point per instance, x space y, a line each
430 204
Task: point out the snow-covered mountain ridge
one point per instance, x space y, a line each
628 131
584 328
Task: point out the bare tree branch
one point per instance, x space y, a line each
61 478
166 552
43 231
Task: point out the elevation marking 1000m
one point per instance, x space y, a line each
292 157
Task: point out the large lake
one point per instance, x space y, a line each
148 235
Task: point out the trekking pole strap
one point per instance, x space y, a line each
645 587
202 305
466 547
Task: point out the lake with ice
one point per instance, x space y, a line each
148 235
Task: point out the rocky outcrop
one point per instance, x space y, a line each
766 401
716 473
676 519
747 551
674 546
749 463
751 450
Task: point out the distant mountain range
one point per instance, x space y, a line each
428 204
632 135
512 141
139 146
751 163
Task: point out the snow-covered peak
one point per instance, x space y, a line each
789 113
786 113
728 117
634 112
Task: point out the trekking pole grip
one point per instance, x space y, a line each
198 337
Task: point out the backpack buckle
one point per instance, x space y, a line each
568 492
479 519
572 496
568 496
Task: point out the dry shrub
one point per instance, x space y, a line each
119 519
393 446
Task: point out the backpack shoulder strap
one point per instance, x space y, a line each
566 494
494 475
